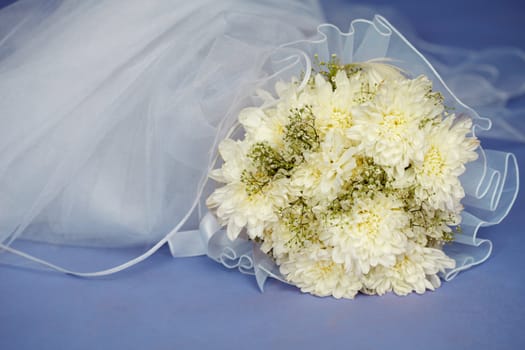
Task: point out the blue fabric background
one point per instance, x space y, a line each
195 303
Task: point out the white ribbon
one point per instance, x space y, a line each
212 240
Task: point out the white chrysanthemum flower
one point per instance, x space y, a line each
287 91
235 160
263 126
289 98
445 154
416 270
324 172
377 72
332 107
305 180
371 234
313 271
388 126
237 209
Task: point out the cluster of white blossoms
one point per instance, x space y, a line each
351 183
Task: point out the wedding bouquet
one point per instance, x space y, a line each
350 184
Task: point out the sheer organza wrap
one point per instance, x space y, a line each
114 148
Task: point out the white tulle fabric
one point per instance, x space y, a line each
111 111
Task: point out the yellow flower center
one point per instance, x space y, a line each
434 164
401 263
371 224
393 124
341 118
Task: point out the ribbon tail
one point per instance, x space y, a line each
261 275
194 242
186 244
265 267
